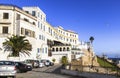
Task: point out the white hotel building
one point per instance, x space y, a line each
48 42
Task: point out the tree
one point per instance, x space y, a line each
17 44
64 60
91 39
89 49
53 59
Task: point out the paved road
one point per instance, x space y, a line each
45 72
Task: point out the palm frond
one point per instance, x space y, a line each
17 44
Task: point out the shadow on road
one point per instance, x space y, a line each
58 71
55 70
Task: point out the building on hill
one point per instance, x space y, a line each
48 42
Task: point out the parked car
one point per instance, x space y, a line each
41 63
31 62
47 62
8 69
21 67
36 63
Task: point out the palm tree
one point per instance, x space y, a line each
17 44
91 39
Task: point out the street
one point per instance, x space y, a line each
45 72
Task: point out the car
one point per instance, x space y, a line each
41 63
47 62
36 63
21 67
7 69
28 62
31 62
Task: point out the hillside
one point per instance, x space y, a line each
104 63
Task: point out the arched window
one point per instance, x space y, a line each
53 49
56 49
68 49
64 49
60 49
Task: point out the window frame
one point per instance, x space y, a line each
5 15
4 30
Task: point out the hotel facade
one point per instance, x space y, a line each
48 42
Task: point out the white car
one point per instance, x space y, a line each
32 62
8 68
41 63
47 62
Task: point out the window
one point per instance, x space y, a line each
18 17
60 49
64 49
33 23
67 34
27 11
27 32
56 49
5 30
44 27
22 30
68 49
49 29
43 50
38 50
53 49
39 36
41 25
41 17
46 50
38 24
33 34
33 13
5 16
26 20
67 39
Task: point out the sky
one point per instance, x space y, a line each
97 18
